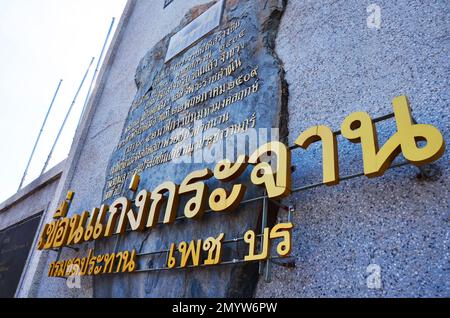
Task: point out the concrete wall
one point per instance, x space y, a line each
33 199
334 65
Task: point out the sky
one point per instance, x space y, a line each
41 42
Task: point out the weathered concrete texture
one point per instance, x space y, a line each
259 20
32 199
28 202
336 65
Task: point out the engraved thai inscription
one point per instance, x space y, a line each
206 97
189 96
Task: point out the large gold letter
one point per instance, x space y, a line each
171 260
358 127
193 251
330 163
137 223
282 230
96 219
214 248
157 201
277 183
62 232
195 207
220 199
250 238
119 207
77 228
410 133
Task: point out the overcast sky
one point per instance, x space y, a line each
42 41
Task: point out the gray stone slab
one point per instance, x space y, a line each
257 26
335 65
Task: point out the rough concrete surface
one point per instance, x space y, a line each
336 65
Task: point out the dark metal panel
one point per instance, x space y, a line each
15 244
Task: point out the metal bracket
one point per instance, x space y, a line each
76 249
290 212
288 262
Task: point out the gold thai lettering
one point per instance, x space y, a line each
61 211
138 222
214 248
117 211
157 201
195 207
250 238
330 164
171 260
220 199
279 231
77 226
283 231
190 252
277 182
359 128
121 262
271 168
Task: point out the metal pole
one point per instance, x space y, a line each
39 135
263 226
67 115
96 70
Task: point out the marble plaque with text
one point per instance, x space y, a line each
195 30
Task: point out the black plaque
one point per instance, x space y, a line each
15 244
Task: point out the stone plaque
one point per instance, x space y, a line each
184 113
195 30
